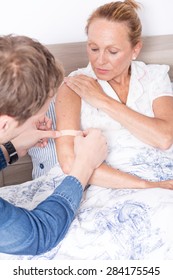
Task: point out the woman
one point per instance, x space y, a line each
130 101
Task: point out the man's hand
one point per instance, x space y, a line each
92 147
44 123
90 151
36 134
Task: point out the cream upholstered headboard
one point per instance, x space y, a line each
156 49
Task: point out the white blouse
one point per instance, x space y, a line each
126 152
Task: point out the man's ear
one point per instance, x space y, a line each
4 120
7 122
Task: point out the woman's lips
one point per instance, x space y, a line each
101 71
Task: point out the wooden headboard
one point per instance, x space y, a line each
156 49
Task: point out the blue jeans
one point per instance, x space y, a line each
25 232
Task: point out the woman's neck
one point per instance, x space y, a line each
121 87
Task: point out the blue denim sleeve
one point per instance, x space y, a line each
3 162
25 232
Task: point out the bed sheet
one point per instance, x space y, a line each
110 224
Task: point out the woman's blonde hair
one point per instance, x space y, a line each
124 12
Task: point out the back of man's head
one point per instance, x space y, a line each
29 75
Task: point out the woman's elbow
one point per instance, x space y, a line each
166 142
66 165
66 168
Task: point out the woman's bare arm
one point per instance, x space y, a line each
67 108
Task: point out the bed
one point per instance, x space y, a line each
110 224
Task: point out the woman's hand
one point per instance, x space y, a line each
87 88
168 184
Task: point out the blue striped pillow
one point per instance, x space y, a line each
44 159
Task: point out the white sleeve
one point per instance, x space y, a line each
161 84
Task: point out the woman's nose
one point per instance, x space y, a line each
101 59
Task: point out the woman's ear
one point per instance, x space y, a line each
137 49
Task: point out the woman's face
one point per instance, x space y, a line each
109 50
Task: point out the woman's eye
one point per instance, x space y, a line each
94 50
113 52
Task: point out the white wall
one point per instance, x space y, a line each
59 21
